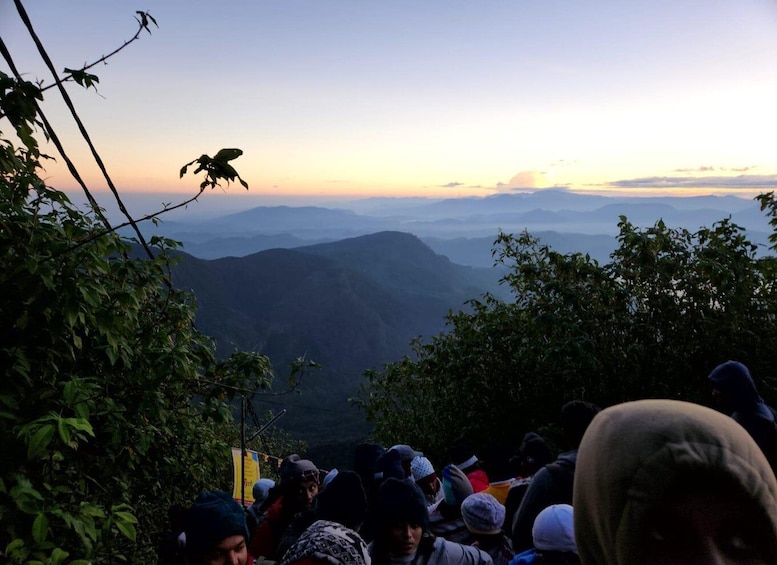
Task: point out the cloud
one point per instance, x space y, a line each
736 182
709 168
450 185
522 181
702 169
526 179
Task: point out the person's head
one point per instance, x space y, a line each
406 456
496 463
533 455
343 501
663 481
261 490
402 517
483 514
733 388
455 486
576 415
553 530
327 543
299 483
424 475
216 531
364 458
388 465
463 457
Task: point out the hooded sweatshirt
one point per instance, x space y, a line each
632 457
747 407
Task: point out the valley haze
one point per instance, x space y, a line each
222 224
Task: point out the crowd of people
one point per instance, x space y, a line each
643 482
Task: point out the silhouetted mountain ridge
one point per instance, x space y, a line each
350 305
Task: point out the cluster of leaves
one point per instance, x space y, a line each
113 407
652 322
216 168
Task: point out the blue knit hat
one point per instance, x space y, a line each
214 516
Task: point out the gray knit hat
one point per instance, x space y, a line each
483 514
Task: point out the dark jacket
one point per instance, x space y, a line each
550 485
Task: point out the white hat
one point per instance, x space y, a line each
421 467
553 529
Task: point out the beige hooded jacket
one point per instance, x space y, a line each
634 454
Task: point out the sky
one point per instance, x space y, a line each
357 98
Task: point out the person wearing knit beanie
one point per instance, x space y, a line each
403 535
455 485
483 513
484 516
299 482
463 457
426 478
216 530
445 517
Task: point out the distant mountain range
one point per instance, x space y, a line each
457 228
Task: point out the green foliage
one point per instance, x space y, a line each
113 406
652 322
216 168
82 78
101 365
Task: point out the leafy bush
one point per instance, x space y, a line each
668 307
113 406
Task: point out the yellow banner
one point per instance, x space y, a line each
251 475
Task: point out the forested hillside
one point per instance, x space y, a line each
350 305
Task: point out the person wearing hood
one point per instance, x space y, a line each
670 482
403 535
553 483
735 392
